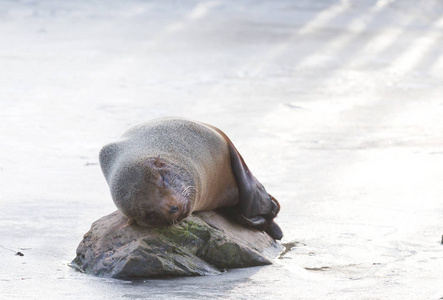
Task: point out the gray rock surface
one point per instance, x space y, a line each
205 243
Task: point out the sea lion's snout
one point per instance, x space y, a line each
149 219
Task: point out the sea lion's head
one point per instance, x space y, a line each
152 192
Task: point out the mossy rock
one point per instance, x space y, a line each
205 243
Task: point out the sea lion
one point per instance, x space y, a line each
161 171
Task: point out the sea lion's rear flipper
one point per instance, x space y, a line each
256 207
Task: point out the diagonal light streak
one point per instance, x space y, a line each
321 20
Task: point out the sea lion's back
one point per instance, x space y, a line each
172 136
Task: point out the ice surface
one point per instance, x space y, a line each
335 105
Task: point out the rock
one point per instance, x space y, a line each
205 243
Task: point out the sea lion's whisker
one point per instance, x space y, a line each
188 190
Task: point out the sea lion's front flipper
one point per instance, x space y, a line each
256 207
274 230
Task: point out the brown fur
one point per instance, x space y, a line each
161 171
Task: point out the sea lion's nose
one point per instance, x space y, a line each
174 209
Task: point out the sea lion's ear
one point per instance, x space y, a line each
158 162
107 157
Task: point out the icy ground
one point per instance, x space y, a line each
336 106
